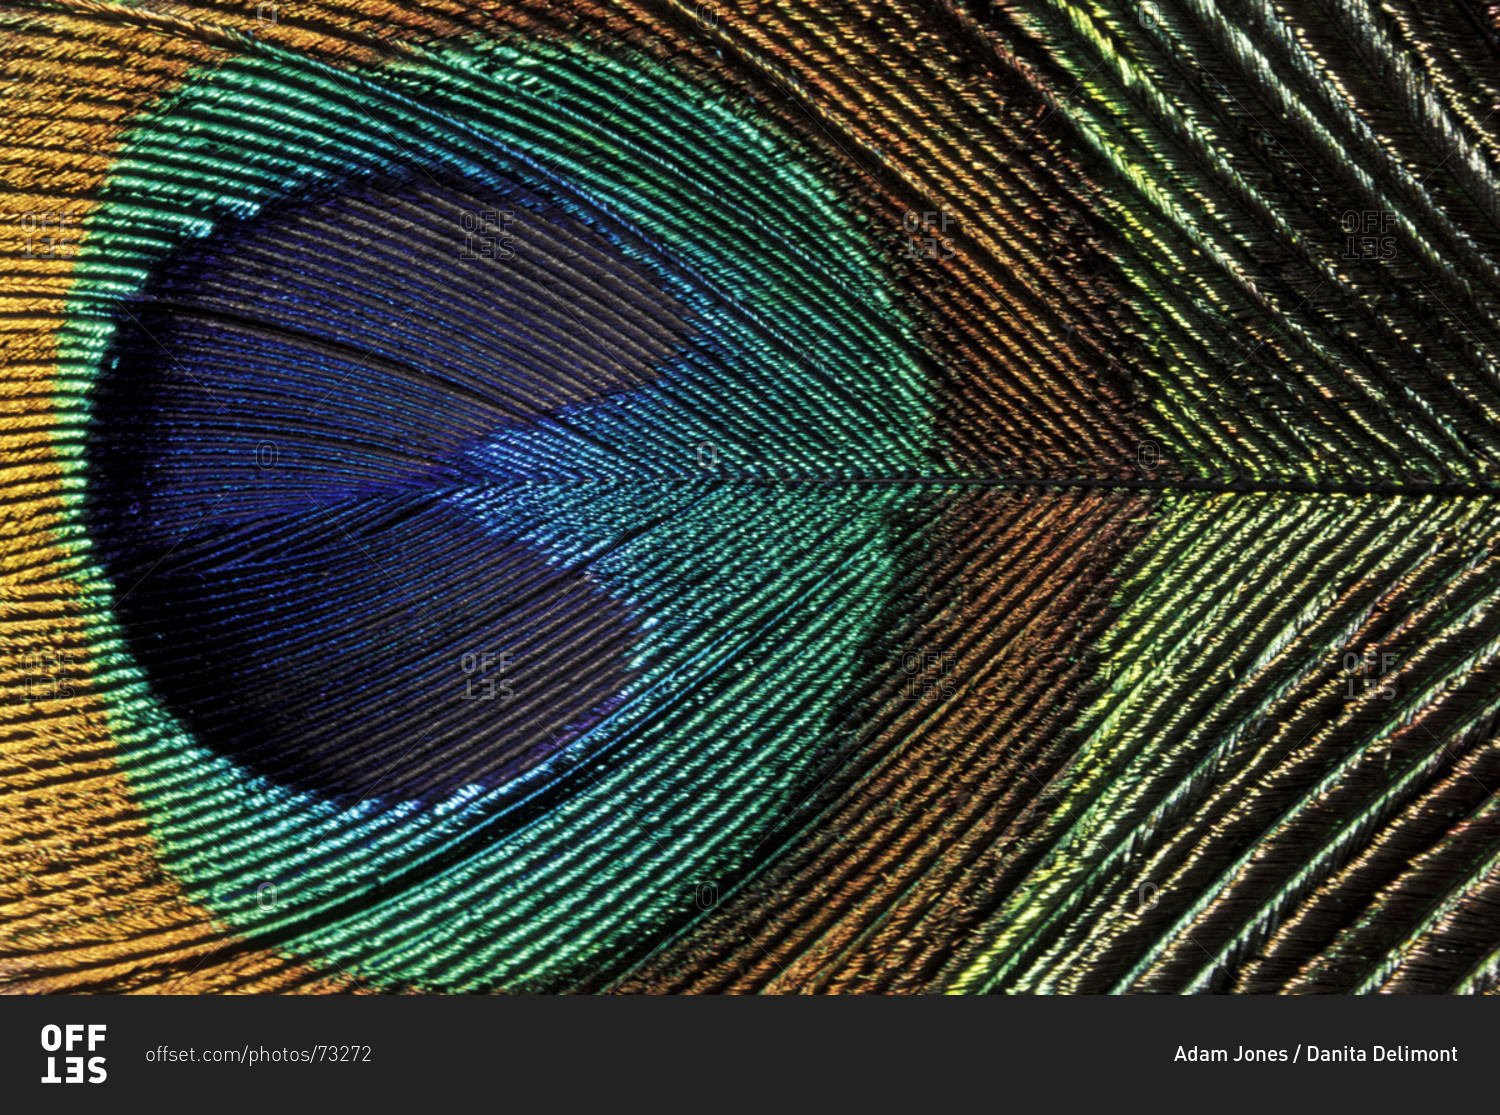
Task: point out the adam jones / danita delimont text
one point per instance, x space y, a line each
1318 1053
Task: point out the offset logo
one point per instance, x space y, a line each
68 1039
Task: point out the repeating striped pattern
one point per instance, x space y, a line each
801 498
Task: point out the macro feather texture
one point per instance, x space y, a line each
637 496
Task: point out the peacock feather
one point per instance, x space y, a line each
649 496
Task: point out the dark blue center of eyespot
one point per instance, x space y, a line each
277 457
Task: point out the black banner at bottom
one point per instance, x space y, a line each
82 1052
